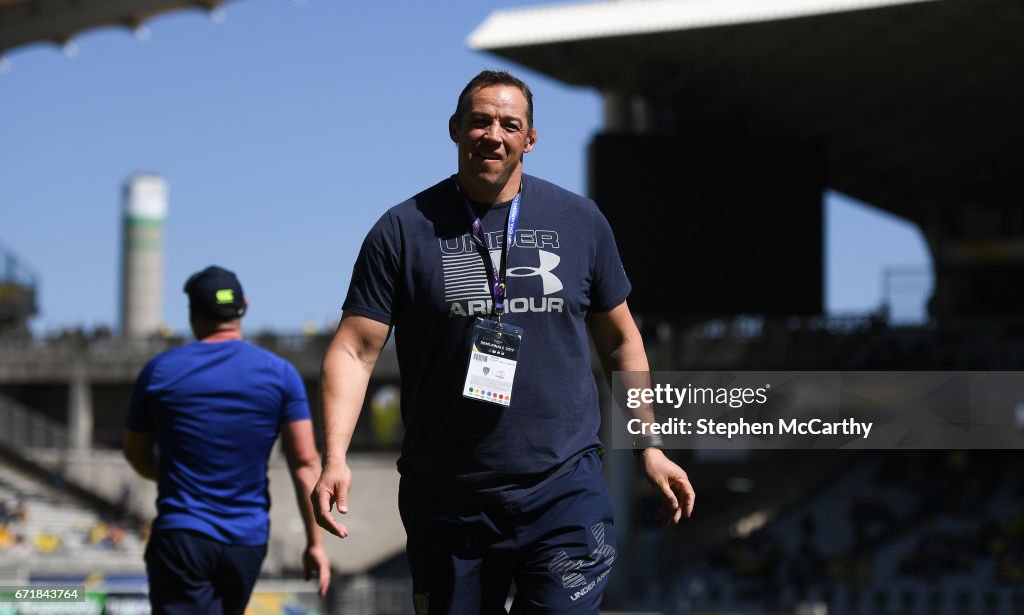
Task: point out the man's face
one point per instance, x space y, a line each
492 136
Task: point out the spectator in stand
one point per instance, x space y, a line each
20 512
6 536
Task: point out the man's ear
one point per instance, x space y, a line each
531 139
452 132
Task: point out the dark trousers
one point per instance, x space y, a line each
194 574
557 544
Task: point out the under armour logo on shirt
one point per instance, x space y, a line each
548 262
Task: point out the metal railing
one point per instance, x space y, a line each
365 594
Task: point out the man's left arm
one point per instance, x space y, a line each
304 466
621 348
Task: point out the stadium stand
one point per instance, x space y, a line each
868 544
48 530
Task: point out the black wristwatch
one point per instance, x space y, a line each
642 443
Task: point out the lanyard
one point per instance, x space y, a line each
495 279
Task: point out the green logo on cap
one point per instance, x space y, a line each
225 295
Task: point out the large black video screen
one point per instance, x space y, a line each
714 226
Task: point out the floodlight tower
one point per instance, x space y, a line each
142 255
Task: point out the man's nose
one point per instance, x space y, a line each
492 132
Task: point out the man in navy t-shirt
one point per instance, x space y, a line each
213 409
490 279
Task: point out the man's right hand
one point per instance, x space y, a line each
344 376
331 489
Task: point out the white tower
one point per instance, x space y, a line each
142 255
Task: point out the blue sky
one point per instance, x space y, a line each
284 132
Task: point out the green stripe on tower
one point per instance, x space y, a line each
133 222
149 245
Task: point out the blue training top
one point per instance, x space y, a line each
420 271
217 409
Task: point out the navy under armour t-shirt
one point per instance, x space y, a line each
420 271
217 409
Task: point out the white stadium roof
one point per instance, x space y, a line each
569 22
916 103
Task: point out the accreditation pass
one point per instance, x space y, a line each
492 361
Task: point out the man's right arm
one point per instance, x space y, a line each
139 444
344 377
140 451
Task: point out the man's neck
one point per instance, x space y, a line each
222 335
489 195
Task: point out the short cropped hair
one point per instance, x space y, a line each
488 78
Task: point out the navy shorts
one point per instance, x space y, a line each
556 543
195 574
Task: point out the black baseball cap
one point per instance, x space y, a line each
216 293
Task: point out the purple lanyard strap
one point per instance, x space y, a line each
495 279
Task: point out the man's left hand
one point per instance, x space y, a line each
316 562
673 483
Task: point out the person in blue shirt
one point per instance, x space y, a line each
490 280
202 422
